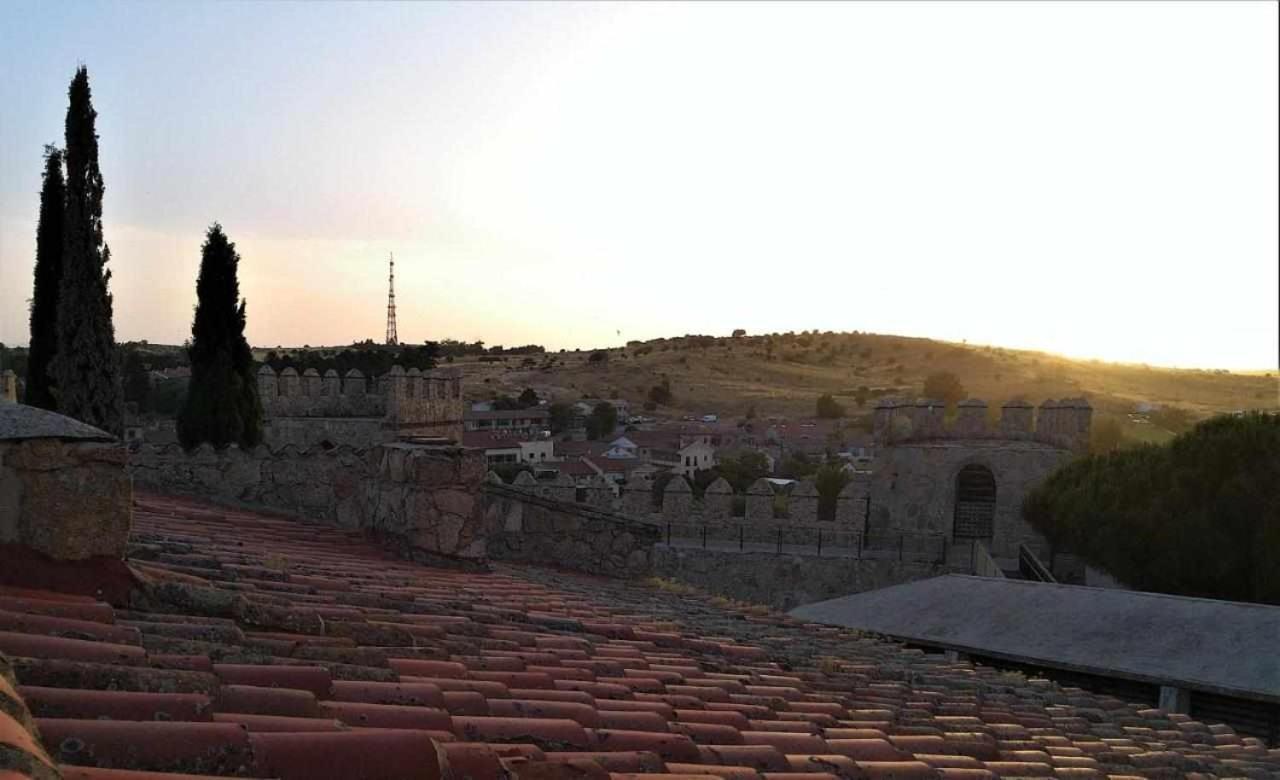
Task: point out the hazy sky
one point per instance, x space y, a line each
1097 179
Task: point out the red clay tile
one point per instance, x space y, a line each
539 694
539 731
787 742
115 705
672 747
277 722
469 759
33 646
74 628
516 679
428 668
308 678
578 769
897 770
465 703
724 772
867 749
374 754
487 688
619 761
79 610
633 721
394 716
793 726
708 733
196 748
584 714
255 700
422 694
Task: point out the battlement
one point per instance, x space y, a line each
313 395
412 402
1062 423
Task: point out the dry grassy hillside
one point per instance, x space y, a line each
785 374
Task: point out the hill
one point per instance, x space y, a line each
783 374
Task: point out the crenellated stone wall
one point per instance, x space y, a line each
310 409
1065 424
914 487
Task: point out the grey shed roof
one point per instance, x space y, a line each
19 421
1219 646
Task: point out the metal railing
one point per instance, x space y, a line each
809 539
1030 566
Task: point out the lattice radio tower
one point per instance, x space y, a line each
392 339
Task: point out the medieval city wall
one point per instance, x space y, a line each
420 500
914 487
308 409
538 529
1065 423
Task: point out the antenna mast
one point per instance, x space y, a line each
392 339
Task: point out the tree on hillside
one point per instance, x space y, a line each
561 417
222 405
944 386
660 394
137 383
48 277
528 398
1199 516
85 369
602 420
828 407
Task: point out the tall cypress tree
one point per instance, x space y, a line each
222 405
48 275
86 367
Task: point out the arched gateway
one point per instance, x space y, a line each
975 509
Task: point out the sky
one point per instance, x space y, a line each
1093 179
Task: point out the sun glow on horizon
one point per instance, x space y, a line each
1093 180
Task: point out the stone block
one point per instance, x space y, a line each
760 501
717 500
677 500
802 504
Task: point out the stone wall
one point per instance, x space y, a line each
913 489
67 499
419 499
308 409
308 432
540 529
64 490
785 581
1065 424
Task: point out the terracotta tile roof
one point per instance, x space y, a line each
268 648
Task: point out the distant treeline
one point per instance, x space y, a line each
1199 516
367 358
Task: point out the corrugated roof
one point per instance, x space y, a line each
1221 646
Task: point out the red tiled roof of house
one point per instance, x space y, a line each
275 649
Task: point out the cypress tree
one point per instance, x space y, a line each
85 369
48 275
222 405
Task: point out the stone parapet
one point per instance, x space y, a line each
1062 423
